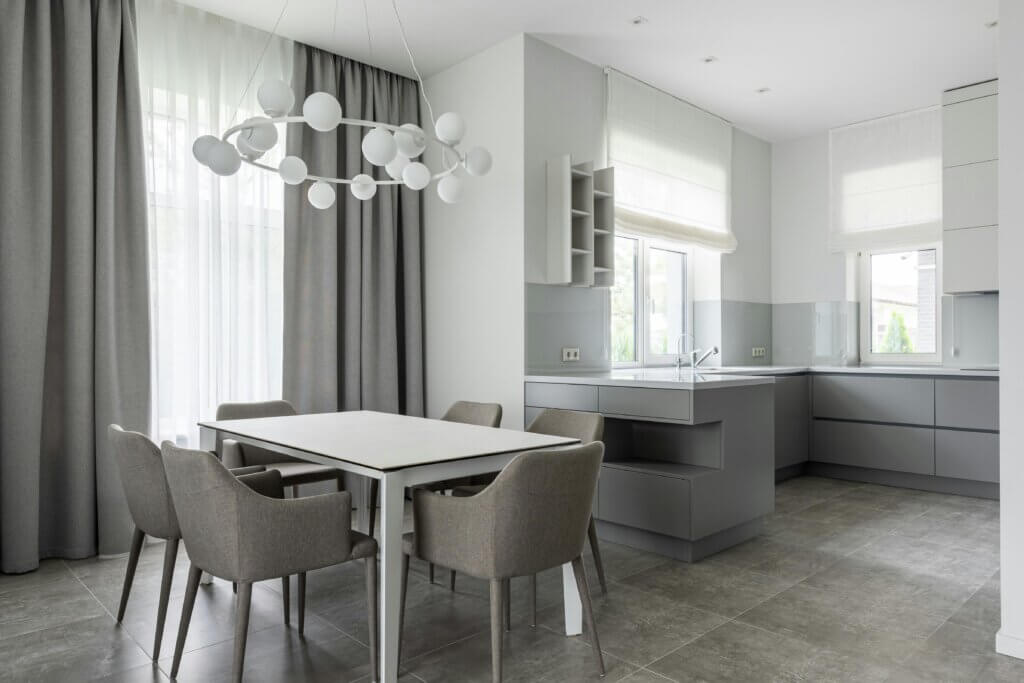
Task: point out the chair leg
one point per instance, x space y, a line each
371 608
286 598
194 574
588 609
451 580
170 557
430 572
497 610
506 604
129 575
401 603
596 551
533 601
301 590
241 628
234 587
371 507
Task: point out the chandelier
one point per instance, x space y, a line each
396 148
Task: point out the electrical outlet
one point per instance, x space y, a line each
758 352
570 354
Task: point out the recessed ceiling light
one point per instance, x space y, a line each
710 58
762 91
637 20
992 24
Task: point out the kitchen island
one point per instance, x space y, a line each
689 463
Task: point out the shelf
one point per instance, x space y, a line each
662 468
580 252
601 194
576 173
580 213
602 269
602 231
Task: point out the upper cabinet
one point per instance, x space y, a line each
580 244
970 153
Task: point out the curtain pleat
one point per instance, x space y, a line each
74 325
353 331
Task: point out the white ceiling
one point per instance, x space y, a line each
827 62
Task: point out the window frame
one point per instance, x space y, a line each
867 356
642 300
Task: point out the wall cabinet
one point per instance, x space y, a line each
969 192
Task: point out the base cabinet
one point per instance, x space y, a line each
967 455
875 446
645 501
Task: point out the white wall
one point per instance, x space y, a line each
1010 639
747 273
803 269
473 251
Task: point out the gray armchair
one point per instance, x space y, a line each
149 502
532 517
249 533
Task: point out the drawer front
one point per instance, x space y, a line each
970 196
903 400
565 396
879 447
645 501
970 259
792 425
967 455
671 404
967 403
970 131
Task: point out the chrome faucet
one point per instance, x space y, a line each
679 350
713 351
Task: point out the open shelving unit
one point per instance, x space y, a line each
580 224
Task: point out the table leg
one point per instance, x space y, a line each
573 606
207 442
392 507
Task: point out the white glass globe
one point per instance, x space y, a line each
223 158
293 170
363 187
246 150
449 189
322 111
261 133
321 195
416 176
276 98
450 128
202 146
396 166
411 140
379 147
478 161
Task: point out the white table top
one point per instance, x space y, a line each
383 441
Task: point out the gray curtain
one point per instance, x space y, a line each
353 328
74 320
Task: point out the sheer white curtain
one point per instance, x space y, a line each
886 177
215 243
673 164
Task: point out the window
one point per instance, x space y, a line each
900 306
649 301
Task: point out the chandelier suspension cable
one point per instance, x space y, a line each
366 16
412 61
266 45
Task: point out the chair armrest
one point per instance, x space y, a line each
252 469
281 537
263 481
231 454
455 532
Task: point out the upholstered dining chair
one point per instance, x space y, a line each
248 533
149 502
532 517
586 427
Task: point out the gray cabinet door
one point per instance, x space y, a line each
880 447
967 403
645 501
967 455
903 400
565 396
792 420
671 404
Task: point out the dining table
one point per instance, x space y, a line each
400 451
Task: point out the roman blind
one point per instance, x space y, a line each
672 162
886 182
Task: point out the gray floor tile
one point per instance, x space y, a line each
645 676
982 610
1002 669
49 570
35 608
780 560
953 653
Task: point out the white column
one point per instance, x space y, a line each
392 508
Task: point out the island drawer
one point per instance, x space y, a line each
967 455
645 501
904 400
670 404
879 447
565 396
967 403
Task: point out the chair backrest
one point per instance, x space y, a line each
573 424
206 495
145 484
542 504
254 455
468 412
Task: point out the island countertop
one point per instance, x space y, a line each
654 378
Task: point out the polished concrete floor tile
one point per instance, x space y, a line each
982 610
780 560
49 570
75 651
952 653
34 608
645 676
147 673
1002 669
